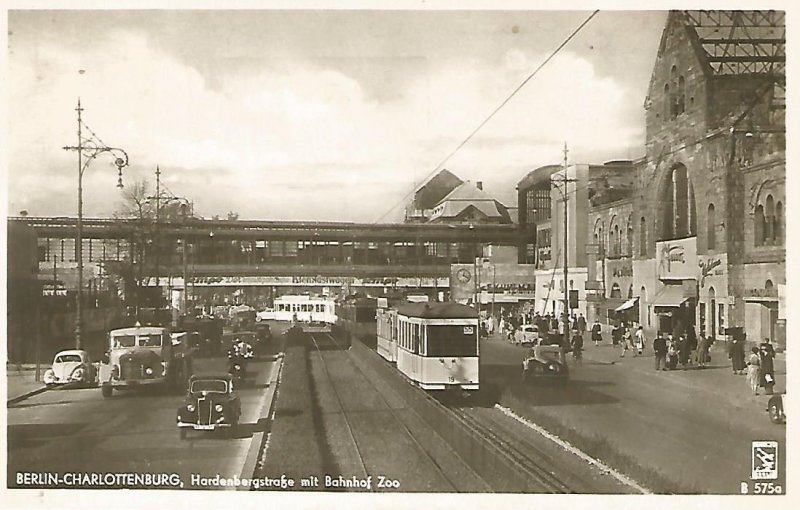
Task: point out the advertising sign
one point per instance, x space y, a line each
677 260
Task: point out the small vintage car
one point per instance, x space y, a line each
211 403
72 366
545 362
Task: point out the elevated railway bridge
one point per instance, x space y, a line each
268 253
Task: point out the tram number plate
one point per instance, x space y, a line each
204 427
469 330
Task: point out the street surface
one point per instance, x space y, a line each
79 431
352 426
693 427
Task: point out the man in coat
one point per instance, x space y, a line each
767 373
660 350
736 354
596 332
581 324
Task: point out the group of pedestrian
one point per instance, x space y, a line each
673 350
760 366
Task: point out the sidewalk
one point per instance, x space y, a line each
717 379
21 379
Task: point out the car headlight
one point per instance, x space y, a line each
148 371
190 408
49 376
218 408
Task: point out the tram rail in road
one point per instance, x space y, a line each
315 338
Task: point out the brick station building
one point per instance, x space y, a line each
709 207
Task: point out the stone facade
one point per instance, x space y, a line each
715 175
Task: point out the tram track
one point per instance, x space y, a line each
516 450
420 448
522 454
348 425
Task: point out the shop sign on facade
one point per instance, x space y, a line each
677 260
711 266
761 293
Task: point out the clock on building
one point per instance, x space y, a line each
463 275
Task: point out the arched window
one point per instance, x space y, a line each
615 291
778 223
758 226
768 284
642 237
681 99
667 102
629 238
678 216
769 223
630 292
617 241
711 232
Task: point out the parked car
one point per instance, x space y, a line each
72 366
776 410
267 314
211 404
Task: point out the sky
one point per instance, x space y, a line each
314 114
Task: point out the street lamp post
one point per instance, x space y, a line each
90 148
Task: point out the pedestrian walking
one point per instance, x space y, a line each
660 350
672 353
736 355
639 340
625 341
702 357
691 344
684 353
753 376
616 334
581 324
767 372
597 335
577 347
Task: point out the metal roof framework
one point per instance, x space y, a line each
741 42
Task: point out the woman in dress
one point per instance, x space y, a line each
753 370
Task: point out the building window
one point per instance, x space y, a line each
667 102
629 239
778 228
711 232
758 226
642 237
678 217
615 291
681 96
769 223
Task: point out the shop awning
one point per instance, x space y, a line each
671 295
627 305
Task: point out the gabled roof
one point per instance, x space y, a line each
468 195
437 187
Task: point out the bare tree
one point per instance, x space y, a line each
135 203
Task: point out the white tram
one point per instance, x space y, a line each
305 309
437 345
387 333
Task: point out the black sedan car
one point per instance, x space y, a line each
210 404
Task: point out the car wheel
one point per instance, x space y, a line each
258 319
106 390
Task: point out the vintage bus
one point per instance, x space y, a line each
145 356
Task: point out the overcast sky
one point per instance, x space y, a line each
318 115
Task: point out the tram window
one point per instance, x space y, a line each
452 340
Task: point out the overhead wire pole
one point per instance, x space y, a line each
494 112
565 195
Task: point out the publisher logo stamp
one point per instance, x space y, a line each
764 460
